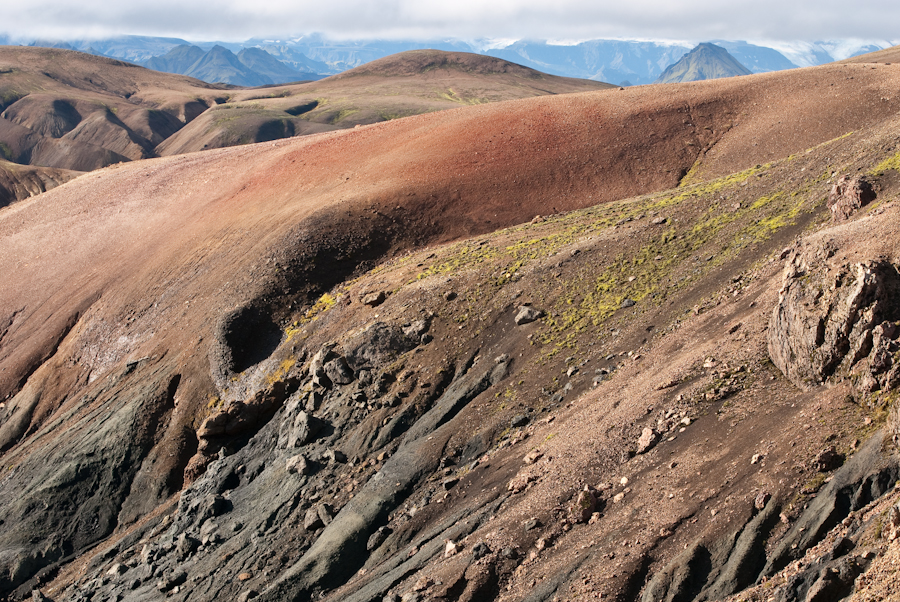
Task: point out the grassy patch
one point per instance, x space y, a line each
281 372
322 305
6 152
889 163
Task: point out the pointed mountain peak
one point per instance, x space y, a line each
706 61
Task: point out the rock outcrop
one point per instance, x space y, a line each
835 319
848 195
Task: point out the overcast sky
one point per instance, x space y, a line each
238 20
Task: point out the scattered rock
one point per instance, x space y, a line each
450 295
303 430
374 299
117 569
247 595
171 581
480 550
762 498
519 420
520 483
417 328
527 314
450 548
647 440
335 456
185 545
377 538
532 523
338 372
848 195
533 456
298 465
824 324
326 513
450 483
209 533
828 460
756 459
245 576
628 303
584 505
312 521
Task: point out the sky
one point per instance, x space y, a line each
560 20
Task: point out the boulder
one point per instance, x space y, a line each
849 195
377 345
303 429
338 372
377 538
417 328
374 299
647 440
527 314
298 465
584 505
185 545
833 319
312 520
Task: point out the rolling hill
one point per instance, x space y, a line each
80 112
611 344
23 181
76 111
405 84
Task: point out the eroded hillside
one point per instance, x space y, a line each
357 366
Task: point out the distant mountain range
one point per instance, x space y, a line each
621 62
706 61
249 67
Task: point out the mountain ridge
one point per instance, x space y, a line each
616 61
251 67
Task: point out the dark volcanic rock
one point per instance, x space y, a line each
342 543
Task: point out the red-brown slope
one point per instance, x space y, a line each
433 178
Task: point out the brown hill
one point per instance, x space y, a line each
19 182
177 330
77 111
401 85
66 109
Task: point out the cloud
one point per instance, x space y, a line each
423 19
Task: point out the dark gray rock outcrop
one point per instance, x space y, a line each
708 571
